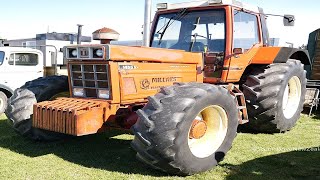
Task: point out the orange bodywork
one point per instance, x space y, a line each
143 74
120 53
265 55
133 74
256 55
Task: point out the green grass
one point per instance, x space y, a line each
109 156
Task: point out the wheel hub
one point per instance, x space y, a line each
208 131
198 129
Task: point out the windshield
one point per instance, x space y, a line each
195 31
1 57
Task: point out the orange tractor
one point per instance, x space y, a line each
208 69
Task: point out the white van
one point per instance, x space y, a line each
17 66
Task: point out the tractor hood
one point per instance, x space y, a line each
129 53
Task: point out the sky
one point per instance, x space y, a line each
25 18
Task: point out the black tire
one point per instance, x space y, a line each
264 91
20 105
162 130
3 102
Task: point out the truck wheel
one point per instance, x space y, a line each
186 128
3 102
275 96
20 105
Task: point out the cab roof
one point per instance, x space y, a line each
205 3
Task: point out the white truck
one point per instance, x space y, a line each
17 66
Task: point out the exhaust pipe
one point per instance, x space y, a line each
147 20
79 33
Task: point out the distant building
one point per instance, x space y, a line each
45 43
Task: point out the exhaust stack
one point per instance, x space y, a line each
79 33
146 25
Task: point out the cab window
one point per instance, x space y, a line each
24 59
193 31
245 28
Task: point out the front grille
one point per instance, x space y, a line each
91 78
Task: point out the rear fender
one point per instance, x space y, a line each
269 55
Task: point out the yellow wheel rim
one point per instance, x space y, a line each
1 103
291 97
216 120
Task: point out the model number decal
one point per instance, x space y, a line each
127 67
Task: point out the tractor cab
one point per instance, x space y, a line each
221 30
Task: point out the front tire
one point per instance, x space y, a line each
186 129
275 96
20 105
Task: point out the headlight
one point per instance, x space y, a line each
103 94
99 52
78 92
73 53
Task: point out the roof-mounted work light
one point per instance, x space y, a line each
162 6
215 1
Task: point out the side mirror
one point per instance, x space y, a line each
288 20
238 51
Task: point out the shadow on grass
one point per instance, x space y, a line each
290 165
101 151
315 113
244 128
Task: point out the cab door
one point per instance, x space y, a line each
246 43
21 67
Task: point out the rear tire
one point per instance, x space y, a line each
275 96
20 105
3 102
162 132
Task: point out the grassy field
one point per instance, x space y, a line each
109 156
